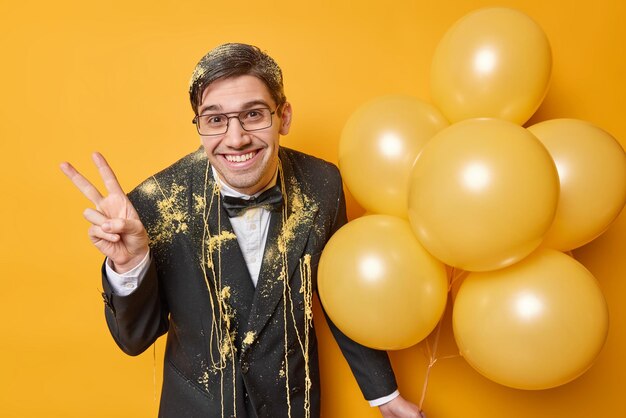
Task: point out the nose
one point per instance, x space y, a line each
236 137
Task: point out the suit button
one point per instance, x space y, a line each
291 351
245 367
301 305
294 390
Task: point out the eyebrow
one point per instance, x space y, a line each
248 105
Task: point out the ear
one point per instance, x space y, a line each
285 119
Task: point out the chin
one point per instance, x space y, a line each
245 185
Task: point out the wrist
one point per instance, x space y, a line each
128 265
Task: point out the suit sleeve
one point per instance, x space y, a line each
371 368
137 320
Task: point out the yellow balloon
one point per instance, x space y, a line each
534 325
483 193
378 284
378 147
592 174
494 62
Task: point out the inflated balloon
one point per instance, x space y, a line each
483 193
592 173
494 62
534 325
379 286
378 147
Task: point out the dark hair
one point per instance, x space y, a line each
232 60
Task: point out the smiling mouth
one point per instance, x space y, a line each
239 158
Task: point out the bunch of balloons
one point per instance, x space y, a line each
462 183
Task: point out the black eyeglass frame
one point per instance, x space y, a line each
236 116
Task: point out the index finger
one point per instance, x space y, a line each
84 185
107 174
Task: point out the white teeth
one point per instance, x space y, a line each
239 158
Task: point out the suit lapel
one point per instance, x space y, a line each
223 260
288 234
236 282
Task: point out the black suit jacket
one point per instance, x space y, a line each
233 350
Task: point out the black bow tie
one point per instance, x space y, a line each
271 199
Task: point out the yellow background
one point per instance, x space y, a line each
79 76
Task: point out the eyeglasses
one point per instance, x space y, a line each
250 120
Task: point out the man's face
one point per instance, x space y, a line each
246 161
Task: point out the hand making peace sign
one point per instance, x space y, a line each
116 229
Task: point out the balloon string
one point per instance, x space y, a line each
459 273
432 354
432 360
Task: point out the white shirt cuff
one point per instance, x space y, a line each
124 284
384 399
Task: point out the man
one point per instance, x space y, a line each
220 250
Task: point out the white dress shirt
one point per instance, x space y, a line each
251 229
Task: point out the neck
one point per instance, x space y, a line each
228 190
